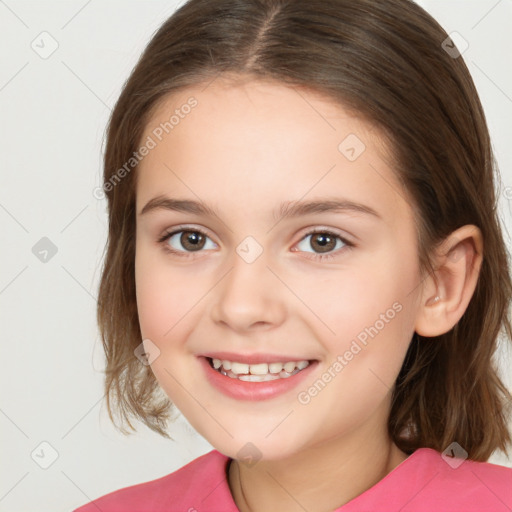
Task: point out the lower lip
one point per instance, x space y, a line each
243 390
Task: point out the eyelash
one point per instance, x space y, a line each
318 257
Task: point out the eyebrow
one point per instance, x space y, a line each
286 209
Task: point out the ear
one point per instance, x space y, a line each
457 266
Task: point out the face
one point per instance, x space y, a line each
336 287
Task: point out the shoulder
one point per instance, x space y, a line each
428 480
465 472
464 482
199 482
447 483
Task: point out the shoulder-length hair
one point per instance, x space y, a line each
393 64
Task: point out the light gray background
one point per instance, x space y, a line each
53 115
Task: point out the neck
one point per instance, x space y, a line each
321 478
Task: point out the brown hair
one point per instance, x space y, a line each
384 60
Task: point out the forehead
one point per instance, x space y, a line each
265 138
258 104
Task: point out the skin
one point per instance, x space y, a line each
244 149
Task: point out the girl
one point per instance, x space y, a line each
305 255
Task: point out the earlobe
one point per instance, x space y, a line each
433 300
447 293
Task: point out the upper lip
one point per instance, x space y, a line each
253 358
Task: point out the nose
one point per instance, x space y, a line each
249 297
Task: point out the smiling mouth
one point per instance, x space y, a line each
262 372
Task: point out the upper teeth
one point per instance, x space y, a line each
260 368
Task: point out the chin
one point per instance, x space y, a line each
253 448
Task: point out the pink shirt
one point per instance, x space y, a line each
424 482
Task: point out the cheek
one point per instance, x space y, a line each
343 303
163 297
165 301
380 330
366 316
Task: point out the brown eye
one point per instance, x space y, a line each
192 240
184 241
323 242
